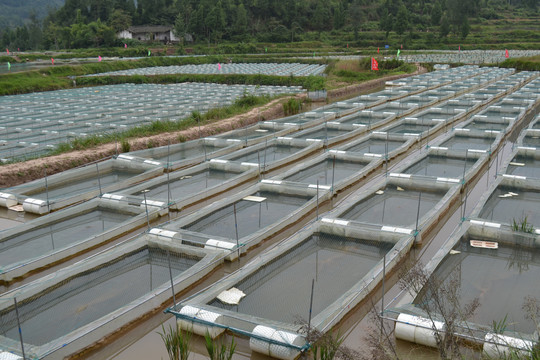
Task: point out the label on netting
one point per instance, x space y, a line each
484 244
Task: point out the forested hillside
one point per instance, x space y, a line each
94 23
14 13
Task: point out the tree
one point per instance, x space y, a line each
436 13
444 29
120 20
241 23
180 27
465 28
402 20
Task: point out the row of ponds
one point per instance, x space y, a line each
363 180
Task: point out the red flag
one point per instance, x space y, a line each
374 64
99 58
506 55
347 45
377 50
7 50
125 45
52 61
402 46
459 48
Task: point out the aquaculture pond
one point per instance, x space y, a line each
322 257
393 205
89 295
251 216
327 171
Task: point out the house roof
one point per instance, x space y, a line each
144 29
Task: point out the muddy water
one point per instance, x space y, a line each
327 172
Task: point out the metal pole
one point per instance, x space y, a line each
47 190
333 172
236 230
418 212
317 199
172 283
259 162
311 305
168 174
146 207
99 180
465 164
19 326
382 299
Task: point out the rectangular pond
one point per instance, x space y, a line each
321 134
327 172
523 165
440 166
251 215
322 257
58 235
89 296
500 279
394 206
509 203
375 146
458 142
267 155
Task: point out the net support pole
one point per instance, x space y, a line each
236 230
19 326
172 282
47 190
99 180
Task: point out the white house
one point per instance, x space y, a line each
160 33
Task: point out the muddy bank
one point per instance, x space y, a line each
18 173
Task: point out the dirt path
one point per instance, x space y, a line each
18 173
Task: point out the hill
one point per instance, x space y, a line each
18 12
